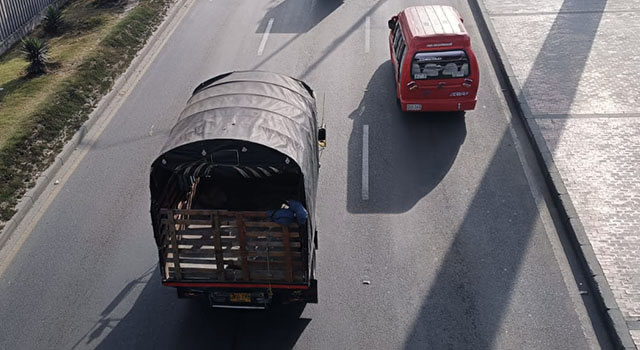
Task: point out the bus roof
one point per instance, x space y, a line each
430 21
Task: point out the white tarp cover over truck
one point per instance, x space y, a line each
245 144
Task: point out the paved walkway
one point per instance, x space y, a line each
577 62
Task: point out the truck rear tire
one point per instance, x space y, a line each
312 294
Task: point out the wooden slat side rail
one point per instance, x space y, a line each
226 246
252 214
230 253
197 264
198 231
165 239
234 241
272 234
218 242
272 254
207 251
182 221
228 242
243 247
174 249
202 263
273 245
270 227
226 253
208 241
204 221
268 224
287 254
252 264
223 213
191 212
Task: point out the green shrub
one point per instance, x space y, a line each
53 21
55 121
36 52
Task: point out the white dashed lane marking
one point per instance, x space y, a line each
367 35
365 162
263 43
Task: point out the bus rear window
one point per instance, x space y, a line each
440 65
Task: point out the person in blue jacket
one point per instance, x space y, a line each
291 211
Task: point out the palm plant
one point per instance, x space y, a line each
53 21
36 52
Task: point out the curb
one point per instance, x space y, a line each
47 177
607 305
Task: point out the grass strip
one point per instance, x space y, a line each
33 148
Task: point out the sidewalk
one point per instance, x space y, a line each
576 62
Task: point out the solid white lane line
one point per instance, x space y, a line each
367 35
365 162
263 43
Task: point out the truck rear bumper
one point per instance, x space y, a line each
234 285
247 296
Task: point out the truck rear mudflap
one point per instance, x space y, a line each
247 296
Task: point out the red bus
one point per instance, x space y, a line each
435 67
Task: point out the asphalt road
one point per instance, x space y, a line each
458 252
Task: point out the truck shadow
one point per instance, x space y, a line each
158 320
409 154
293 16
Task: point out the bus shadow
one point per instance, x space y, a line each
293 16
409 154
158 320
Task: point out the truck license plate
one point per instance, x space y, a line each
240 297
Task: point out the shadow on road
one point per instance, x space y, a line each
409 154
158 320
467 303
329 49
294 16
